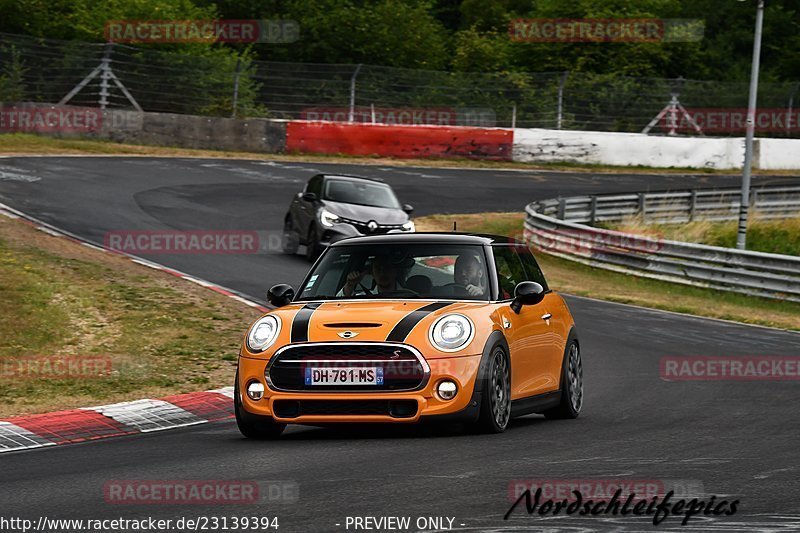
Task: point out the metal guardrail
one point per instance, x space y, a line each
559 227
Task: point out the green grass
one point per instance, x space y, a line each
771 236
61 300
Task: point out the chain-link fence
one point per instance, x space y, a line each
218 82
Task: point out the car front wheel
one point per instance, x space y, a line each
254 426
290 241
496 402
312 245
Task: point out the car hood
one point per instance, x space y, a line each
372 321
365 213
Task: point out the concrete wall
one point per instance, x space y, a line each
776 154
524 145
602 148
186 131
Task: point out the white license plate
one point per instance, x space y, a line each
346 375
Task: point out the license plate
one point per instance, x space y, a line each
349 375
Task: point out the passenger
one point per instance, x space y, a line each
470 273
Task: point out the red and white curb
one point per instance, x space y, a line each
126 418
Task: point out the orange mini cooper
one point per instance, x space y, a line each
403 328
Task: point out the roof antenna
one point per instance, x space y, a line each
454 226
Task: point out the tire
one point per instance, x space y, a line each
254 426
312 245
290 241
571 385
495 411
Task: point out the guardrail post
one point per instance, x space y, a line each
350 115
692 204
593 211
562 207
641 205
753 198
236 75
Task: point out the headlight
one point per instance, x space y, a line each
409 226
451 333
327 218
263 333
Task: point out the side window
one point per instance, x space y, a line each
315 185
534 273
509 270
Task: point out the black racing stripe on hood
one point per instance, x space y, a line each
301 322
404 327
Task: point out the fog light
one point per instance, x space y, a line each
447 389
255 390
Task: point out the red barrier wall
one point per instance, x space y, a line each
398 141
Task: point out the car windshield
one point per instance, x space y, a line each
405 271
360 192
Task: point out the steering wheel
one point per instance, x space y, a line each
457 289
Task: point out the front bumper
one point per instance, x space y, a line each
358 407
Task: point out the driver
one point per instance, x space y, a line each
385 272
469 272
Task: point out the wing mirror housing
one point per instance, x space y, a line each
408 208
309 197
280 295
526 293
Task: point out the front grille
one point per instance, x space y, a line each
364 229
392 408
402 369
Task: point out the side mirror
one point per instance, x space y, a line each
527 293
280 295
408 208
309 197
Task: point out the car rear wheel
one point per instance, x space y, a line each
571 386
254 426
496 402
290 241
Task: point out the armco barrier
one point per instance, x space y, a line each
557 228
398 141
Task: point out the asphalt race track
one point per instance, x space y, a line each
735 440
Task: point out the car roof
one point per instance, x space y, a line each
352 177
425 237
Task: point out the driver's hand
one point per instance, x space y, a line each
474 290
352 280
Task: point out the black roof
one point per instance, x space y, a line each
433 237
